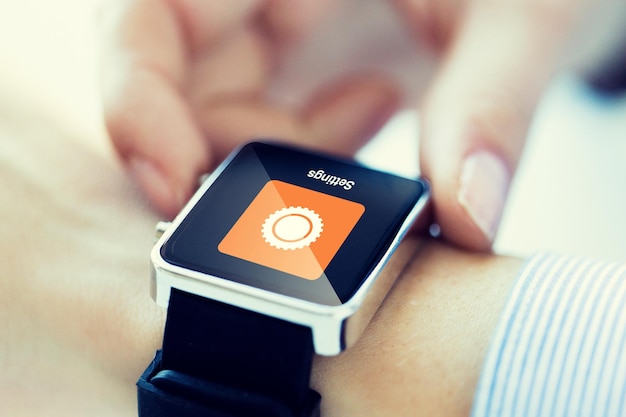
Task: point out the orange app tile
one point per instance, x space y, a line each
292 229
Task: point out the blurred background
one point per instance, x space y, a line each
569 194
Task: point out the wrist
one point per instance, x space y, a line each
425 347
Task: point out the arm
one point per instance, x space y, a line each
424 350
456 336
77 335
78 325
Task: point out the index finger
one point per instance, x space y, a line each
480 106
147 50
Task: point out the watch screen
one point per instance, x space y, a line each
293 222
301 229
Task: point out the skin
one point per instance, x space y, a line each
78 325
423 352
185 81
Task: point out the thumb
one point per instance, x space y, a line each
476 116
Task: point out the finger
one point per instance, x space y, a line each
435 22
158 140
343 117
339 119
286 21
146 56
205 22
239 68
477 114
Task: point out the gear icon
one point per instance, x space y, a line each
292 228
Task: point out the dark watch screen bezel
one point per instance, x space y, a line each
388 201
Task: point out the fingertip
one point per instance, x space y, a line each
469 208
286 22
457 228
484 185
163 192
157 139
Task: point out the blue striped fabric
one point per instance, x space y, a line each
560 348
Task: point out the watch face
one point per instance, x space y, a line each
293 222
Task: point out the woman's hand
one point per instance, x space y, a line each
185 81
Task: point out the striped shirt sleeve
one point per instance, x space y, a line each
560 348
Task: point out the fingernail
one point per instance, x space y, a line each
485 183
158 187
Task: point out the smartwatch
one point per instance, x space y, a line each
277 257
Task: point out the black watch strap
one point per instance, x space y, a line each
223 361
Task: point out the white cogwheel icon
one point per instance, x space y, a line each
292 228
